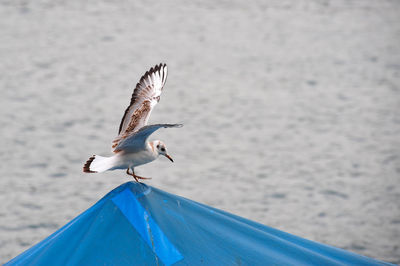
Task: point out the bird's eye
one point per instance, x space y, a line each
158 146
162 149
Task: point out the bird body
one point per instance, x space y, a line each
131 146
122 160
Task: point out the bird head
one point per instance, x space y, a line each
162 149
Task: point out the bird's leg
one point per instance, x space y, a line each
132 174
138 177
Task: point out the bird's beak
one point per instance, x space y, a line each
169 157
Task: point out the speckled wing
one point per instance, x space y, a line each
136 141
145 96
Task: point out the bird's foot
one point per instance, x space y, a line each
136 177
141 177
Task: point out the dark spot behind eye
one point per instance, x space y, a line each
162 149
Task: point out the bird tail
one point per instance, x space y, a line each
98 164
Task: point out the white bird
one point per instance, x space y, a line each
131 146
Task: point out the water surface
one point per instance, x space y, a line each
291 112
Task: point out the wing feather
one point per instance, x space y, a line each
149 88
136 141
145 96
138 116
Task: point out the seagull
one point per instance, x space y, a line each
131 146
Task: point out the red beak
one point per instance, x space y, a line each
169 157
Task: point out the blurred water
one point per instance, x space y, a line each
291 112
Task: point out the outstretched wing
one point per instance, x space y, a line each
145 96
136 141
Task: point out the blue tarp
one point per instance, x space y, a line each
136 224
